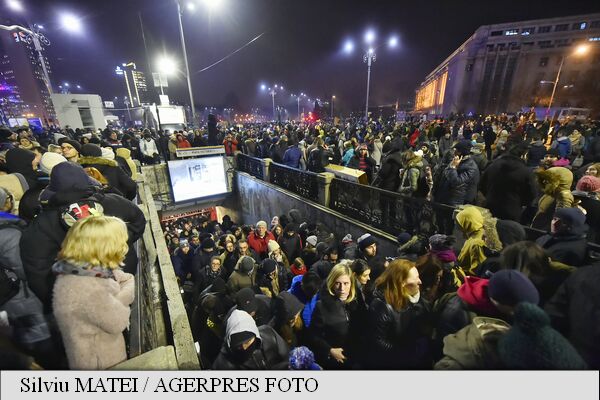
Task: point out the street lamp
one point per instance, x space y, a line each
71 23
14 5
579 51
369 58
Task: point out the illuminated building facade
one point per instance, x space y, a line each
506 67
23 91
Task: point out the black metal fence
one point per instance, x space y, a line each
303 183
250 165
389 211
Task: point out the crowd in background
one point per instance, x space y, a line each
293 293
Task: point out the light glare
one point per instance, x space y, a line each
348 46
370 37
15 5
167 65
71 23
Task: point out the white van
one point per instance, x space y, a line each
570 113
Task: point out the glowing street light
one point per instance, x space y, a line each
191 7
348 47
71 23
14 5
370 36
167 65
263 87
393 42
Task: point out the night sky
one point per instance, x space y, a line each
301 47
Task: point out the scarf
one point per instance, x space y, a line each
63 267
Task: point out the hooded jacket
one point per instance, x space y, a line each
125 154
472 254
556 184
42 239
116 177
268 352
474 346
463 182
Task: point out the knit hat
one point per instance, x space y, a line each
272 246
588 183
302 358
531 343
403 238
246 264
5 134
347 239
261 223
275 220
286 306
463 147
509 287
246 300
183 243
268 265
49 160
321 248
207 243
572 219
312 240
365 241
440 242
75 144
91 150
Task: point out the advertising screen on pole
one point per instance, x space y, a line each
196 178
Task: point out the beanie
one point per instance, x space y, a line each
510 287
75 144
365 241
207 243
531 343
183 243
403 238
272 246
312 240
238 339
91 150
302 358
246 264
261 223
588 183
268 265
463 147
49 160
572 220
246 300
5 134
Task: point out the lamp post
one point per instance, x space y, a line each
185 60
332 99
579 51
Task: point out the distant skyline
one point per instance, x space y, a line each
301 46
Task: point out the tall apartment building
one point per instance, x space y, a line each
504 67
23 91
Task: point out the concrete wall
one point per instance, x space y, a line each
259 200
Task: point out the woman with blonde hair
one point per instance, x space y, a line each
333 329
399 320
91 294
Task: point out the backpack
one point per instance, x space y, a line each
422 184
313 163
81 209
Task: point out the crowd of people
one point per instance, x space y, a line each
294 293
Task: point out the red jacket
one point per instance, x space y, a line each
230 146
259 245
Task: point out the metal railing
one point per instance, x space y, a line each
304 183
250 165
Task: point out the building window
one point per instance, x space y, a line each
544 29
594 39
527 31
511 32
561 28
544 44
579 26
562 42
543 61
469 67
595 25
490 47
501 46
496 33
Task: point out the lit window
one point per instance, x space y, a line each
511 32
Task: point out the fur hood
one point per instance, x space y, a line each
554 180
97 161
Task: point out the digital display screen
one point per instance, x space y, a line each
195 178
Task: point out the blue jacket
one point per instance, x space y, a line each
292 157
564 147
309 304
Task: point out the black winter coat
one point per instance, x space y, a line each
41 241
115 176
507 185
389 174
400 339
332 327
574 312
463 182
567 249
